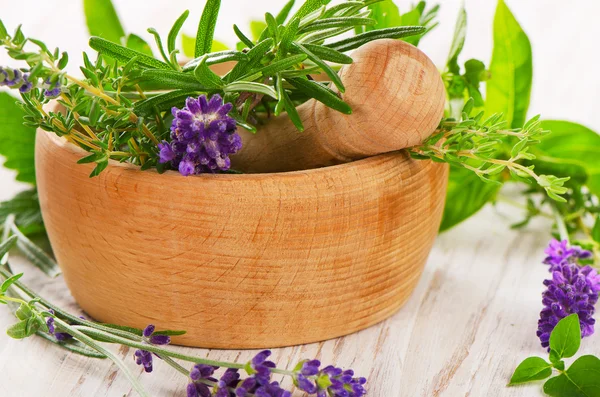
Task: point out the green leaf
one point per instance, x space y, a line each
509 87
330 23
102 20
214 58
532 368
285 11
162 102
9 281
292 112
188 44
124 54
206 27
458 41
582 379
466 195
596 230
35 254
172 79
363 38
326 53
308 7
276 67
207 77
575 143
320 93
24 311
250 86
138 44
335 78
565 339
243 38
386 14
562 168
172 38
18 330
256 29
6 246
26 208
17 141
252 60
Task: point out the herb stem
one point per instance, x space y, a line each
560 224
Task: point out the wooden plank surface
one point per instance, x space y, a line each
470 321
473 315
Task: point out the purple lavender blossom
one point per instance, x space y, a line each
60 336
199 375
13 78
52 90
202 137
27 85
144 357
572 289
329 381
559 252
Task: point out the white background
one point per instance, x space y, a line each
564 35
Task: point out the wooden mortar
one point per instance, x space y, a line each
397 98
241 261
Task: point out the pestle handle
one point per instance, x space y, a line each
397 98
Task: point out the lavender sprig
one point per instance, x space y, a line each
43 315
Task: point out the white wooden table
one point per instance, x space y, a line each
468 324
473 316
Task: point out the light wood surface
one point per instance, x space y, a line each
239 261
397 98
469 322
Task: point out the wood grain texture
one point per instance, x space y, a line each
397 98
241 261
470 321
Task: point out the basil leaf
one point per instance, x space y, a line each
320 93
125 54
138 44
363 38
565 339
575 143
596 230
188 44
466 195
206 27
582 379
102 20
171 39
509 87
532 368
386 14
17 141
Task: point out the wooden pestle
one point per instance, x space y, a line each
397 98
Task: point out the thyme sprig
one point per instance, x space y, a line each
489 149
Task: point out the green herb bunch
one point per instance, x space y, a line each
121 108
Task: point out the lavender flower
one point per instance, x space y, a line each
199 375
202 137
61 336
329 381
12 78
27 85
559 252
572 289
52 90
144 357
